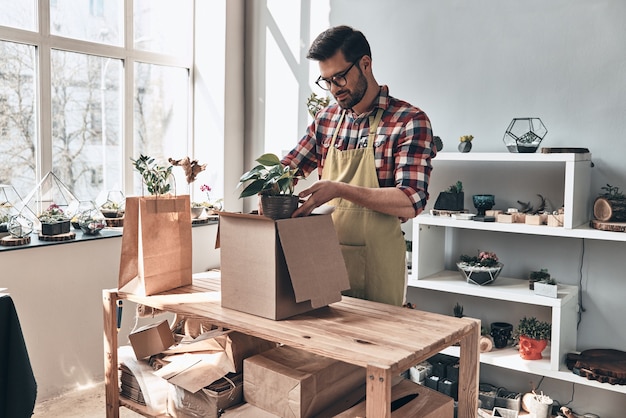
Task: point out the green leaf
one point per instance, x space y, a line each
269 160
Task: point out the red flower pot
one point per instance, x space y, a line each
530 349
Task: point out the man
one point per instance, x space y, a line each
373 154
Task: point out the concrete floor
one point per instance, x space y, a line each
86 403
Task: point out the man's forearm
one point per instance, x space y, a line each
389 200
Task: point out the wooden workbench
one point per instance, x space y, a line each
384 339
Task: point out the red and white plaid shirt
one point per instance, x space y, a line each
402 151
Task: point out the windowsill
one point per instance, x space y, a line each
81 237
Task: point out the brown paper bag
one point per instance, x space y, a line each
156 244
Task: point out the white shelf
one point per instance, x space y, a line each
562 179
504 288
512 157
578 232
509 358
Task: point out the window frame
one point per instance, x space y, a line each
44 42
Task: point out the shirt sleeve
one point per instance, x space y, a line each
304 155
413 157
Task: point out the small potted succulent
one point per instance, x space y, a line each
452 198
275 183
54 221
533 336
465 143
536 276
547 287
91 222
481 269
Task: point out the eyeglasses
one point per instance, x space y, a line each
338 80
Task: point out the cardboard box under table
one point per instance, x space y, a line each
280 268
293 383
409 399
151 339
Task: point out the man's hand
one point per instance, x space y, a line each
315 196
389 200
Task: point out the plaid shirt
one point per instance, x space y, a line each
402 151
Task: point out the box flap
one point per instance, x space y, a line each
320 276
237 215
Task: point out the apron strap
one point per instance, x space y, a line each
374 122
332 142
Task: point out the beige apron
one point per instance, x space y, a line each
372 243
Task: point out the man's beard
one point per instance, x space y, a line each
355 95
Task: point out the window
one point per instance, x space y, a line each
80 100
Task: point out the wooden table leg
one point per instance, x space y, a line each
109 305
378 394
468 373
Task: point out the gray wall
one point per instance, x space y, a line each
472 66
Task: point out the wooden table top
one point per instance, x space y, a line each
355 331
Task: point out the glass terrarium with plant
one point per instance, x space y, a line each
483 268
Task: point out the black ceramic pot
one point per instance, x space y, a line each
501 333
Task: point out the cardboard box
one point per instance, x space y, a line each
246 410
293 383
422 403
200 362
269 270
208 402
151 339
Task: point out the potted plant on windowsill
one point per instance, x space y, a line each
275 183
533 336
54 221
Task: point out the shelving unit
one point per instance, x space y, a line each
566 180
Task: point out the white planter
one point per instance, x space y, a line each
549 290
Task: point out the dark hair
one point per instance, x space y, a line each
350 42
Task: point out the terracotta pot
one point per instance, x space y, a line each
530 349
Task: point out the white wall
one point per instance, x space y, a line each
57 291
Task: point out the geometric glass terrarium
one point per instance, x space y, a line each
524 135
50 192
115 204
10 205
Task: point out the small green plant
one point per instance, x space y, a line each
455 188
539 275
315 103
154 176
612 192
53 214
458 310
531 327
484 259
270 177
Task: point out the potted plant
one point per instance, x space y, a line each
91 222
54 221
546 287
481 269
465 143
156 177
275 183
451 198
536 276
315 103
533 336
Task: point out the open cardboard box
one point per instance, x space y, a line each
269 270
